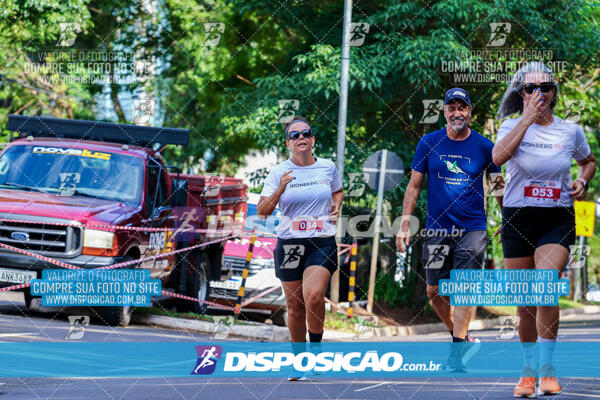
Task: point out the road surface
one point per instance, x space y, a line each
23 326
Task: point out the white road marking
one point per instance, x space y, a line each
25 334
595 396
372 386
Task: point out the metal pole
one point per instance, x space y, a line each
583 273
352 284
334 291
375 253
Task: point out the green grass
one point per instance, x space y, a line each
563 303
501 310
340 322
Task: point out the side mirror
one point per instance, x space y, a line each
160 213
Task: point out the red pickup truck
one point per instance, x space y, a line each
63 181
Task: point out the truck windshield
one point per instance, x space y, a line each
72 172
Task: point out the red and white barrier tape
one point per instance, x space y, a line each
344 251
258 296
15 287
38 256
114 266
121 228
340 309
163 255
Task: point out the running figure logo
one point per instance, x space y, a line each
68 183
186 225
357 184
498 183
365 328
78 325
223 324
212 189
292 255
143 110
213 32
508 327
358 32
573 110
207 359
500 31
578 255
68 33
287 110
437 255
432 110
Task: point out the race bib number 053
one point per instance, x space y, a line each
541 192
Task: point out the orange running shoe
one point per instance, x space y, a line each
548 384
526 386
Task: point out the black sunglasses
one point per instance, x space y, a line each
545 87
294 135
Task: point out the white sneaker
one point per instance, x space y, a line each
473 346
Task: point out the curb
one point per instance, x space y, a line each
580 310
256 331
476 325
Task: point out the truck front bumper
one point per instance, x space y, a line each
21 262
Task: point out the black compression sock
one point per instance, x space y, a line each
315 337
457 340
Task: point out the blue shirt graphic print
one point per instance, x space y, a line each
455 171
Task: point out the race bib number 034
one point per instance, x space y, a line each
541 192
307 224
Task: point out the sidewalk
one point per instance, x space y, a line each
264 332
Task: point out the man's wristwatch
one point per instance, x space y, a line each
583 182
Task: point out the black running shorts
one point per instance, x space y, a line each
526 228
293 256
444 253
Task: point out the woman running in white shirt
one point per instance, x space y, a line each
538 219
308 190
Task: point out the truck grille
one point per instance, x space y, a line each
231 294
48 240
237 265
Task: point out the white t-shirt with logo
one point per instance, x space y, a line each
539 173
306 202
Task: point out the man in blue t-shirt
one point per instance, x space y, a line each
455 159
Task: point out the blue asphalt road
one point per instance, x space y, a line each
19 326
316 388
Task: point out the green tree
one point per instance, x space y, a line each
29 29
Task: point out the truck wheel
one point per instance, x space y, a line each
119 315
197 267
28 297
280 318
115 316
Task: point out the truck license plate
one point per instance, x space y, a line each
229 284
16 276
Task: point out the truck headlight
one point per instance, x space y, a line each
99 243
